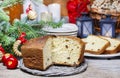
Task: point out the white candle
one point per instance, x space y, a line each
55 10
46 16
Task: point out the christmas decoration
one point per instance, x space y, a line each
11 63
20 40
2 52
75 8
9 34
5 57
31 13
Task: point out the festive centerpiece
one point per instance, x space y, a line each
12 29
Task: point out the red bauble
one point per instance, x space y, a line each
2 49
22 37
5 57
11 63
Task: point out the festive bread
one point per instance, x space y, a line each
106 7
40 53
36 53
95 44
114 45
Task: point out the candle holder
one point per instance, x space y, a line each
107 26
85 25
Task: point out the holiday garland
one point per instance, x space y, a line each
9 33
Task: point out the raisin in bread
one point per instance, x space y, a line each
95 44
114 45
40 53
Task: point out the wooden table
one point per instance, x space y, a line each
97 68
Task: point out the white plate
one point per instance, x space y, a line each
64 34
102 55
68 27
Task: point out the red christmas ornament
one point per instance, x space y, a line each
29 8
5 57
11 63
22 37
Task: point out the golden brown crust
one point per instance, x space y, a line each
32 52
101 50
114 50
81 59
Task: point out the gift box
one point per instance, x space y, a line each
14 11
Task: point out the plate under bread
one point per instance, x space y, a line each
102 55
55 70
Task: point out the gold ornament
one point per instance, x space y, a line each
15 48
32 15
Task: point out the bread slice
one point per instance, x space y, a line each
95 44
114 45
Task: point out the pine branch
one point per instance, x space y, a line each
8 3
3 16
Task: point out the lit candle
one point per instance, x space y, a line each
55 10
46 16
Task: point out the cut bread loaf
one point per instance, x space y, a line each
114 45
36 53
40 53
95 44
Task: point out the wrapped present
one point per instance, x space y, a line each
14 11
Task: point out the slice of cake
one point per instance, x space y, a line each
95 44
40 53
114 45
